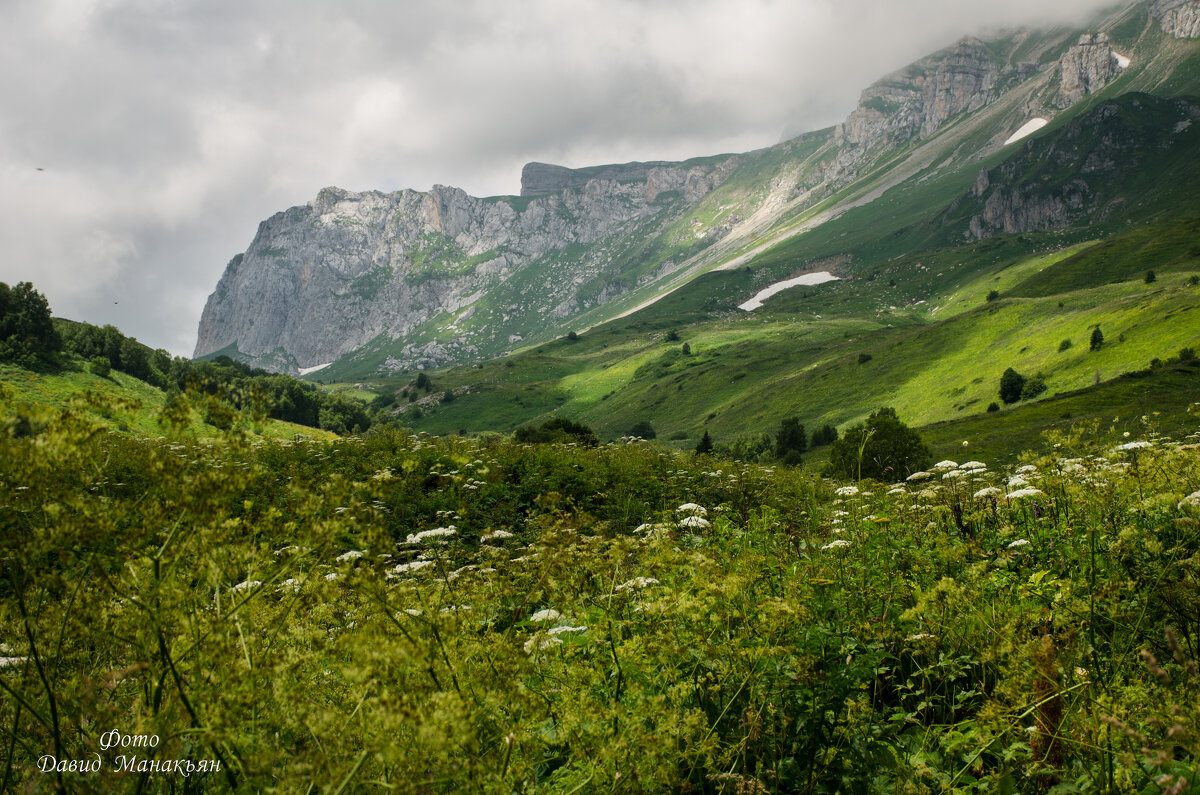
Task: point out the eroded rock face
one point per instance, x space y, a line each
1085 68
921 98
1180 18
326 278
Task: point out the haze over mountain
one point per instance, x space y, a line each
166 131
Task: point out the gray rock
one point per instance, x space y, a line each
1085 68
1180 18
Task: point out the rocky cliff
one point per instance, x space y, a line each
329 277
1085 171
1086 68
1180 18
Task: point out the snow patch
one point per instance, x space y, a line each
808 279
307 370
1027 129
1122 61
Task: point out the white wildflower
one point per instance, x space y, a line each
404 568
837 544
247 585
290 584
1191 501
692 508
919 476
496 535
920 636
564 630
1022 493
974 465
1134 446
954 474
990 491
412 611
333 575
841 513
1026 469
1020 542
346 557
540 643
897 490
548 614
1017 482
944 465
437 532
694 522
637 582
847 491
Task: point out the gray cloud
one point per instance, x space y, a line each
167 131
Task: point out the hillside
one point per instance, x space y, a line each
927 331
372 284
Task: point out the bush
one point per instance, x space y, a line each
101 367
1033 387
993 407
643 429
557 430
863 358
993 295
1065 345
1150 277
1011 385
1097 339
882 448
1187 354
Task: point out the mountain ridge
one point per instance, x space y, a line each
415 280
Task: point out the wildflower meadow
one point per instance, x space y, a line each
402 613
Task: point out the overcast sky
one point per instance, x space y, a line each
142 141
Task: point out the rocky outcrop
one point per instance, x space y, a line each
1180 18
1085 68
1082 172
918 100
350 269
544 179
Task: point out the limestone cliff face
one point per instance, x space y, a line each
326 278
1180 18
1085 68
915 102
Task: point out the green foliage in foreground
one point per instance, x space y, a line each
399 613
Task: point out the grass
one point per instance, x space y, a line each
119 401
483 615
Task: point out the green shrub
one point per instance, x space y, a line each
882 448
100 366
1065 345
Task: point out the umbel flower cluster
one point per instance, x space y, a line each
440 615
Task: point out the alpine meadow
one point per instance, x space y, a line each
867 462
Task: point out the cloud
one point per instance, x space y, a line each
168 131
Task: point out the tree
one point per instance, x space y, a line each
882 448
686 349
643 429
993 295
27 334
705 445
1150 277
135 359
423 382
791 437
572 336
672 336
1097 339
1011 384
826 434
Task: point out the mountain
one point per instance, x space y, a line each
385 283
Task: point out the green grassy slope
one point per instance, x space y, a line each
119 401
